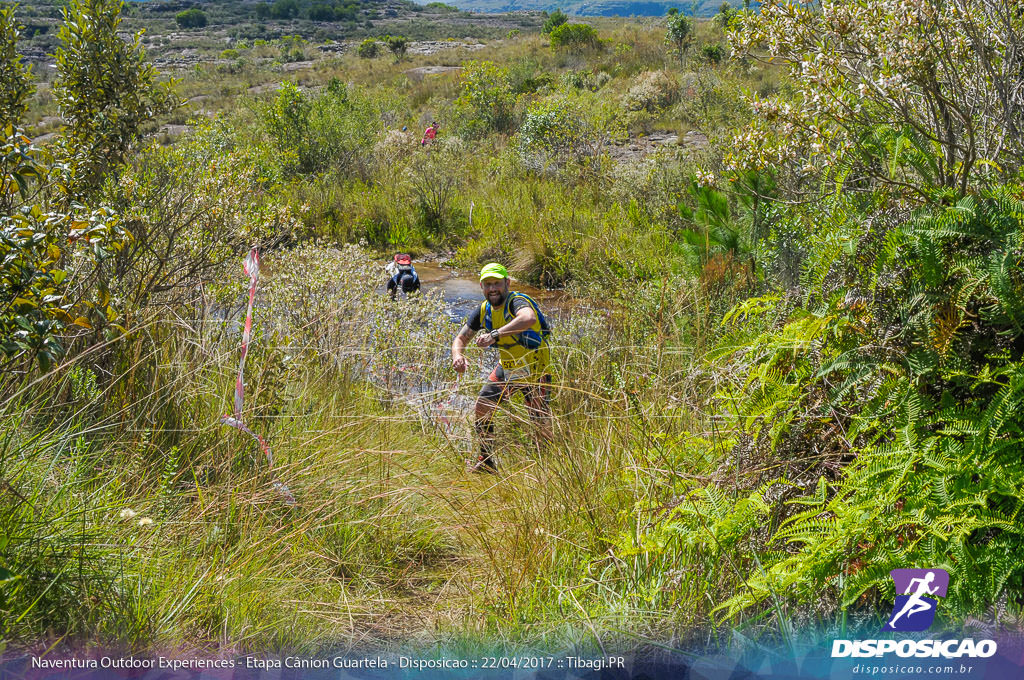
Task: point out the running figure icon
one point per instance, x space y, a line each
913 609
915 604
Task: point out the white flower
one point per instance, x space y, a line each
127 513
704 178
145 522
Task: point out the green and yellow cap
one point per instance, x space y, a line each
493 270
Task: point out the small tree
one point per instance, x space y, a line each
725 15
368 49
679 33
574 37
554 20
284 9
15 76
321 12
486 102
105 91
397 44
191 18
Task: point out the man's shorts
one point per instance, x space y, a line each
499 388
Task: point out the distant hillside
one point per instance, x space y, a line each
226 23
597 8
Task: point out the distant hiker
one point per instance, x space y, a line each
429 134
404 275
514 323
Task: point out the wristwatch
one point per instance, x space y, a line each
494 335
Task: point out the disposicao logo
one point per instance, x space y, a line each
914 611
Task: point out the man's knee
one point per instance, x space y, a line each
484 407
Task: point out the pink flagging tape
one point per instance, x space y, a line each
239 425
251 268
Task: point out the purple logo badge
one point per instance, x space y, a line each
913 609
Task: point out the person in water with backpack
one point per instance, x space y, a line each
404 276
514 323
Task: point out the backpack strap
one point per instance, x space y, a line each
544 327
485 316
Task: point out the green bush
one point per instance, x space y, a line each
105 90
554 20
574 37
333 129
191 18
368 49
15 76
397 44
321 12
712 54
284 9
679 33
486 101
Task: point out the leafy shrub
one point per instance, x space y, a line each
105 91
554 20
321 12
527 75
585 80
552 128
922 93
336 128
368 49
191 18
284 9
712 54
679 33
190 207
47 260
653 91
574 38
15 76
574 128
397 44
932 412
486 101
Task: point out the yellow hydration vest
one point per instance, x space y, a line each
525 355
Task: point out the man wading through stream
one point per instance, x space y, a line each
514 323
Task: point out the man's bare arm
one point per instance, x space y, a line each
459 345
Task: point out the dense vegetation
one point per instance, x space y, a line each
794 360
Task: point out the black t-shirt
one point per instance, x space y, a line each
473 318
